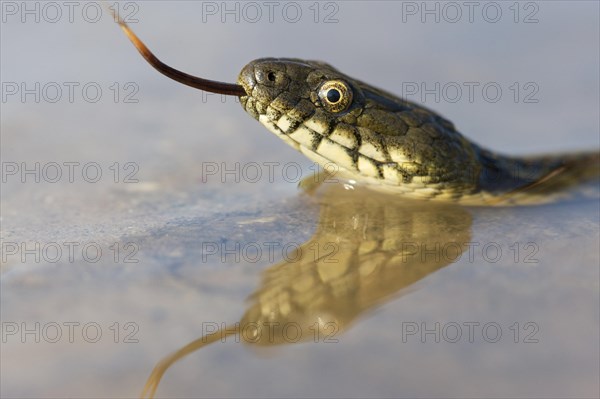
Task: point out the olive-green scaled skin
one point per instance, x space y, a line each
389 143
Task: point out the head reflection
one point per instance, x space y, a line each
367 249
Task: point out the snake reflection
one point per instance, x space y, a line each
367 250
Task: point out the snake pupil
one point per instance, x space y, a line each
333 96
271 76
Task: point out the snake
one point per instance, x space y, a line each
369 136
373 138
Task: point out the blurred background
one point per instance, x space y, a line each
516 77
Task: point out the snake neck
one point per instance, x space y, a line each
540 175
500 173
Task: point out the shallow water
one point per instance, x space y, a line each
409 299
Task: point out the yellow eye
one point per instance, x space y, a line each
335 95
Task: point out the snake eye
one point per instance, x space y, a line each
335 95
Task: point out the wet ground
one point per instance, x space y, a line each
136 221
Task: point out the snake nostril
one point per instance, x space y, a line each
271 76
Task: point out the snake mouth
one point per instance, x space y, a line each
247 80
264 79
262 84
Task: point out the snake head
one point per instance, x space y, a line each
297 90
366 133
363 132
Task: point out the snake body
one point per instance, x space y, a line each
369 135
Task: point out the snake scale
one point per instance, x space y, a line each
369 136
